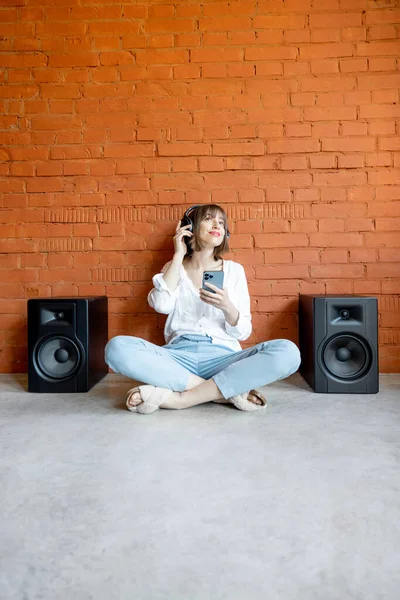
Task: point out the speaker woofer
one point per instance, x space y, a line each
58 357
346 356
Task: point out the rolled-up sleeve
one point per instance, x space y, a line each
161 298
241 299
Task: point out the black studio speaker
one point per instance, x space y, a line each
66 341
338 337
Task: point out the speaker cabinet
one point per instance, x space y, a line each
66 341
338 338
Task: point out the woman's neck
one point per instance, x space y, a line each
203 260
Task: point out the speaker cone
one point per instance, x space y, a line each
58 357
346 356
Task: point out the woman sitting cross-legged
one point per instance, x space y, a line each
202 360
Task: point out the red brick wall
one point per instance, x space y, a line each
117 115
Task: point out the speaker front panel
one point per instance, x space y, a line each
343 354
58 348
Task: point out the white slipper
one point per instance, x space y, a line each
151 396
242 403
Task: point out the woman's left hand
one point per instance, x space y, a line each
219 299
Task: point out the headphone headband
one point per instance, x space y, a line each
191 209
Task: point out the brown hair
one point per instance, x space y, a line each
198 215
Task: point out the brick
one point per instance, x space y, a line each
359 194
331 225
382 64
382 240
377 48
275 226
325 129
291 69
272 240
202 55
387 176
184 149
325 35
129 150
184 164
330 113
282 272
329 50
354 161
379 82
307 195
238 149
294 162
389 143
387 255
284 21
385 209
298 129
253 196
383 16
153 26
354 34
337 271
380 270
384 96
360 224
336 255
388 224
290 146
311 287
342 178
323 161
382 32
270 53
353 65
339 286
362 255
224 24
325 66
349 128
347 240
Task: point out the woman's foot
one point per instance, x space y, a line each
134 398
252 397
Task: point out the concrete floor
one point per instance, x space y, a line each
298 502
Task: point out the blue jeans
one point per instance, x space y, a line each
170 366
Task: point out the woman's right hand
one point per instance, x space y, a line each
180 247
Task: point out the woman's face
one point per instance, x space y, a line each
212 230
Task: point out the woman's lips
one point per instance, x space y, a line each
215 233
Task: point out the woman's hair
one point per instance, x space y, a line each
197 216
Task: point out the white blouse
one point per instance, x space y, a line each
187 314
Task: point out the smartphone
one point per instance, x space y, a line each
214 277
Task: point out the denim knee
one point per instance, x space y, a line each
286 351
116 349
112 349
292 356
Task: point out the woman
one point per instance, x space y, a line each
202 360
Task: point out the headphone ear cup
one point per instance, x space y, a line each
187 221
